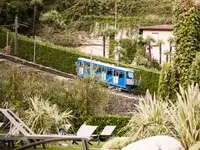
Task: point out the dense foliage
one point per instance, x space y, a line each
45 102
187 38
155 116
81 15
149 119
44 117
187 34
195 69
64 59
128 50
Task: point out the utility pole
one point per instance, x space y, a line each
7 40
34 53
115 14
35 10
91 66
16 34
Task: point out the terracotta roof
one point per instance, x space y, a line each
158 27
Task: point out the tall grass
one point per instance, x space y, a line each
117 143
185 115
180 119
150 118
44 117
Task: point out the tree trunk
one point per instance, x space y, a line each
160 51
170 49
150 54
104 46
167 58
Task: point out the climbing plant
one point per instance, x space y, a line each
195 69
187 38
166 82
187 33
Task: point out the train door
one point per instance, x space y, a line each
103 74
109 75
122 78
81 68
115 76
87 69
98 71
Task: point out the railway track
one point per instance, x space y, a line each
59 74
36 66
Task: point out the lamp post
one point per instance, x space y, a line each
16 33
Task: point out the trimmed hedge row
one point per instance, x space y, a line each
65 58
102 121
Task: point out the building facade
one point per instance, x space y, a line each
159 32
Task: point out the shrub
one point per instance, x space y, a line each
180 120
187 33
185 115
166 83
195 69
43 117
150 118
155 64
87 98
129 50
141 60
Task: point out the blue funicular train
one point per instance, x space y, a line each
110 74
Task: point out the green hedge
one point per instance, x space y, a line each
102 121
64 59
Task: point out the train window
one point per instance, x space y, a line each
121 74
130 74
98 69
109 72
82 64
115 73
93 67
87 66
104 69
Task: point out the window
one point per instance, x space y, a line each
81 64
104 69
121 75
98 69
130 74
87 66
109 72
155 36
115 73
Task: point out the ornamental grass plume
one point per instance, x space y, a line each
185 115
117 143
43 117
149 119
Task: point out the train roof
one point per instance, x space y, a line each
106 64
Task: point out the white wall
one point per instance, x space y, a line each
164 35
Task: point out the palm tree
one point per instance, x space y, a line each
171 41
149 39
159 43
101 30
105 31
35 4
167 53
